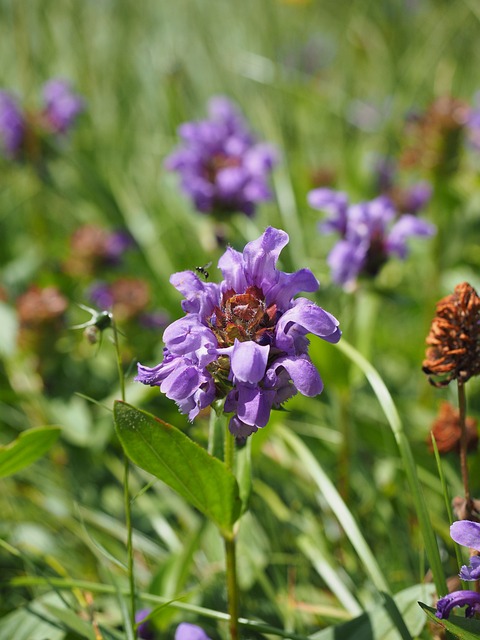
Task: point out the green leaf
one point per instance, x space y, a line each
28 447
167 453
463 628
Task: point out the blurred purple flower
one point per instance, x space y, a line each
244 338
406 199
62 106
370 233
154 320
222 168
100 293
187 631
473 125
12 125
144 629
466 533
116 243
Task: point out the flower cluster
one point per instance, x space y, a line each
244 338
466 533
222 168
370 233
22 132
447 431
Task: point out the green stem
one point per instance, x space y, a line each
126 490
462 406
232 588
230 551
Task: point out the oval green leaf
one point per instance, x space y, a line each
167 453
28 447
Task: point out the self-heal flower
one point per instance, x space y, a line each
370 233
466 533
62 106
12 126
222 167
243 339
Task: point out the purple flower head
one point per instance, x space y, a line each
12 125
187 631
243 339
370 232
62 106
101 295
466 533
221 166
144 629
116 243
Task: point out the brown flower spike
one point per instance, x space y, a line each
453 351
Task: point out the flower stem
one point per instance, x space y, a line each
232 587
230 551
462 406
126 491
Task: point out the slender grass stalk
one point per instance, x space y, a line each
230 551
126 490
462 406
95 587
446 496
386 402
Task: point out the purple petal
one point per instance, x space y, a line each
311 318
231 266
472 572
239 429
346 261
187 334
187 631
181 383
288 285
458 599
303 374
466 533
200 297
407 226
261 256
249 361
254 405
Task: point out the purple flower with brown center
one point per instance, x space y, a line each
466 533
222 167
370 233
62 105
12 126
243 339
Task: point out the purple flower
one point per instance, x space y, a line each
144 629
370 233
187 631
243 339
12 125
222 168
458 599
62 106
466 533
101 295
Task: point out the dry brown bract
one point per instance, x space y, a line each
453 351
447 431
